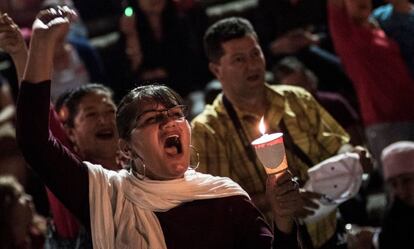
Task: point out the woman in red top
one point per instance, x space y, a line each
381 79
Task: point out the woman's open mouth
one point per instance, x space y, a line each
172 145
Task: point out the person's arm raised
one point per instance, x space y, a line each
12 42
50 26
55 164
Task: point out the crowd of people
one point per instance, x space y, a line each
132 164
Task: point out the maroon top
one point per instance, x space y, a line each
231 222
67 226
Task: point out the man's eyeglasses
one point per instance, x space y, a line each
158 116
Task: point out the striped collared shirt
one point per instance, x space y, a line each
221 151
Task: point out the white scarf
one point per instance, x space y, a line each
122 206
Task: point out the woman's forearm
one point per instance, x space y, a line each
60 170
39 62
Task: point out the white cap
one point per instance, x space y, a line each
397 159
337 178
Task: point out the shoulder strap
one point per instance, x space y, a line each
288 140
303 237
242 135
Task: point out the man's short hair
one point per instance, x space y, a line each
222 31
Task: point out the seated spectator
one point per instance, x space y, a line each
291 71
398 162
146 206
373 61
90 124
224 131
396 230
299 28
397 20
20 226
91 129
160 47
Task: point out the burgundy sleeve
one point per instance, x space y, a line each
283 240
61 170
257 233
252 228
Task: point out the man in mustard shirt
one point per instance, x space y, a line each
222 140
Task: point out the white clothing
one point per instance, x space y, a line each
122 206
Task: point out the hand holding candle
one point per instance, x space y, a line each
270 151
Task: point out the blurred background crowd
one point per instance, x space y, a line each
124 43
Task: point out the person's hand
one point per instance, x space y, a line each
287 199
49 30
11 40
52 25
364 158
293 42
359 237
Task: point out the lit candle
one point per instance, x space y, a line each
270 150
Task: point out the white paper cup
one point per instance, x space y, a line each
271 152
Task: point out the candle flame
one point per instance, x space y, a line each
262 127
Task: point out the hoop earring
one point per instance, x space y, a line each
198 158
135 171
